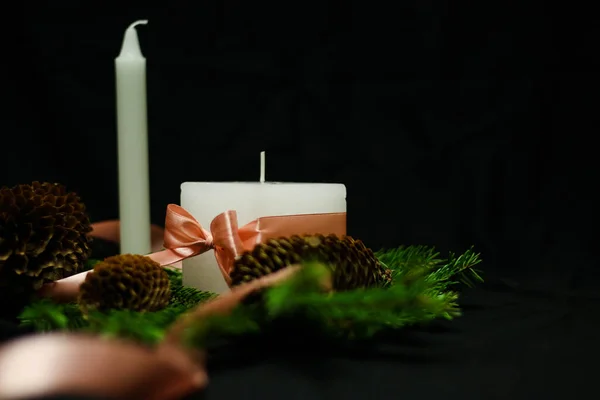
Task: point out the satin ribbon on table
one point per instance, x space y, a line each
184 237
110 231
66 289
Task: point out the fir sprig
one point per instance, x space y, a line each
149 328
421 290
362 312
44 316
404 261
357 314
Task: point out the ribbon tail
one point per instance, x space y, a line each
64 290
225 262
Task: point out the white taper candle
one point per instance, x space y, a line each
132 126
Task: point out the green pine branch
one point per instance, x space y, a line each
45 316
362 312
421 291
405 261
417 295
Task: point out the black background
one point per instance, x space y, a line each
451 124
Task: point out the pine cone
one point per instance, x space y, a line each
129 281
353 265
43 236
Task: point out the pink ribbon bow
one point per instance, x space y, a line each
185 237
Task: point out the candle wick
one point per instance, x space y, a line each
136 23
131 46
262 167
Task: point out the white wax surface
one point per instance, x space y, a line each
134 187
205 200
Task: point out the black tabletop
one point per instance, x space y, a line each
509 344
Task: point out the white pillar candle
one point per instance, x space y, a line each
205 200
132 126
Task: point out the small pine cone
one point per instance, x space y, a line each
125 282
353 264
43 236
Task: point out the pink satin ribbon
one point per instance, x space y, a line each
110 231
184 237
67 289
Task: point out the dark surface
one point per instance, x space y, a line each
510 344
450 124
507 346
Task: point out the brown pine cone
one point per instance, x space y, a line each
43 236
128 281
352 263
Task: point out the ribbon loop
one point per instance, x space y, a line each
182 230
225 233
184 237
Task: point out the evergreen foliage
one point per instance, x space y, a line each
423 289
